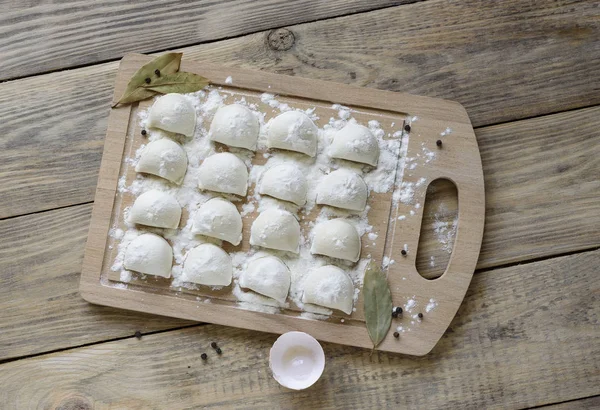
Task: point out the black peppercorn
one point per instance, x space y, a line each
144 132
218 350
147 80
403 252
398 310
396 335
204 356
213 345
438 143
420 315
407 128
138 334
157 72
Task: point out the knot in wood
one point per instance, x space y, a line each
281 39
74 403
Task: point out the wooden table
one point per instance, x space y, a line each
527 333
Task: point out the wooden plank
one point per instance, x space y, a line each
57 35
590 403
474 52
524 337
39 274
456 50
542 187
51 156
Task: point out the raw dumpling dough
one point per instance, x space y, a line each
219 218
355 143
223 172
293 131
276 229
156 208
343 189
268 276
207 264
174 113
150 254
329 286
235 125
285 182
164 158
336 238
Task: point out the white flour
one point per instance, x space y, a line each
197 148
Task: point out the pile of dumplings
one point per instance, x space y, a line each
235 125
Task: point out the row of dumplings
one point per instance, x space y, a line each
207 264
273 228
226 173
236 125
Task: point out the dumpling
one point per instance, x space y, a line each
293 131
174 113
156 208
285 182
150 254
329 286
355 143
163 158
336 238
207 264
276 229
223 172
219 218
343 189
268 276
235 125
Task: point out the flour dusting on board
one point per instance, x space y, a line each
381 179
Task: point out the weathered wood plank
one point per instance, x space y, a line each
542 186
39 274
502 60
50 153
523 337
57 35
590 403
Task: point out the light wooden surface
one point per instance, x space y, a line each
48 36
505 61
508 347
459 161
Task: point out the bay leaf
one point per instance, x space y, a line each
135 91
180 82
377 303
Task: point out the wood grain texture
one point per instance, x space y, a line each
56 35
525 336
542 186
472 52
590 403
502 60
50 154
39 275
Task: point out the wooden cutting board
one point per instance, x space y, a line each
398 226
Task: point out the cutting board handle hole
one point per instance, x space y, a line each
438 228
